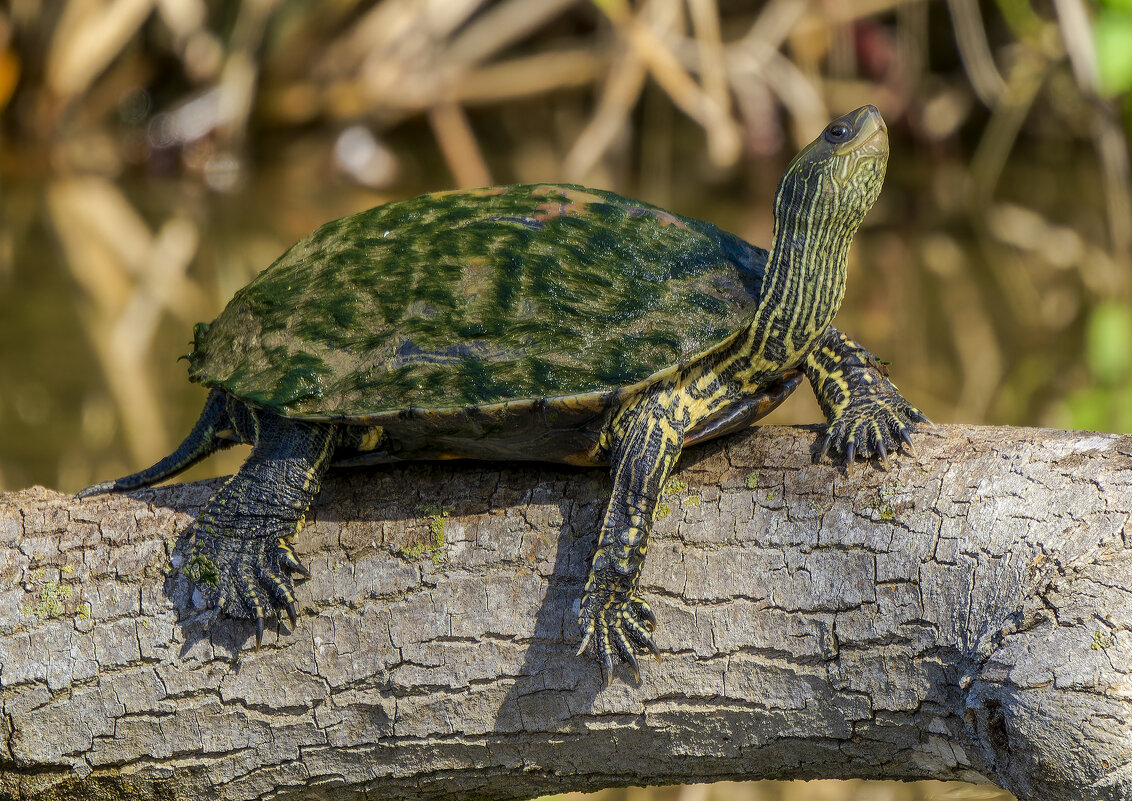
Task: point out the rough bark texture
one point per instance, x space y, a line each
967 615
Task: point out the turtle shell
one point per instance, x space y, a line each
474 298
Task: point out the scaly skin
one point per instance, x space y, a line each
241 556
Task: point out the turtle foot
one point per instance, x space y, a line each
245 578
874 423
616 623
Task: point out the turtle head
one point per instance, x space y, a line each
824 195
836 178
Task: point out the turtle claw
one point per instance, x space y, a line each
291 562
607 671
917 416
258 629
882 454
625 651
642 608
906 439
632 660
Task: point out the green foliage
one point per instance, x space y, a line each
1112 35
1021 18
1109 338
1098 408
1103 401
1117 5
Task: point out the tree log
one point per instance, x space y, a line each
965 615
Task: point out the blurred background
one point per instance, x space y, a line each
156 154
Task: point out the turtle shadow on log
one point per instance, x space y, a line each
428 517
554 683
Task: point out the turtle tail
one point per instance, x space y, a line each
205 438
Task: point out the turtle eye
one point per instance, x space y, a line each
838 132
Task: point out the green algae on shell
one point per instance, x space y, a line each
474 298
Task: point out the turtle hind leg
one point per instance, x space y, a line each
205 438
615 620
241 558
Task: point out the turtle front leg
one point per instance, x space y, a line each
867 415
241 557
614 617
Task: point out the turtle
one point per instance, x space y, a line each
547 322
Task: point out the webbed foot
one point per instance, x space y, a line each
867 415
617 623
876 421
248 578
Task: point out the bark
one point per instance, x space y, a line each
966 615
